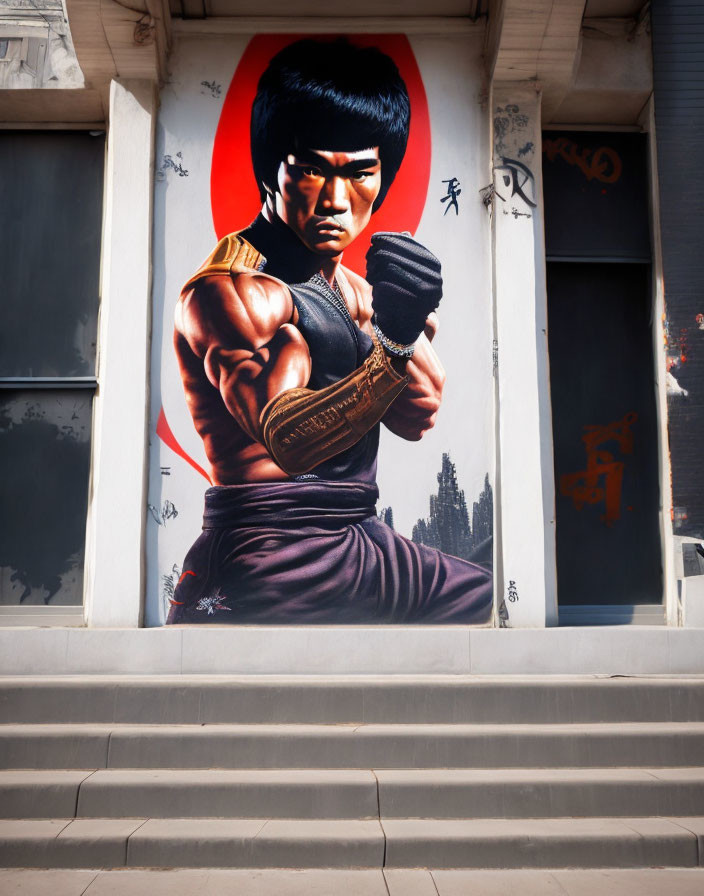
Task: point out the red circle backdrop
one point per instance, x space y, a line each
233 192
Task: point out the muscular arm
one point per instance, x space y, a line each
239 327
414 411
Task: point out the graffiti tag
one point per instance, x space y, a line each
211 604
212 87
169 162
518 177
512 591
602 479
602 164
453 191
168 585
167 512
508 121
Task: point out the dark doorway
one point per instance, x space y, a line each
604 412
604 433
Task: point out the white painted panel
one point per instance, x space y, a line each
191 103
115 533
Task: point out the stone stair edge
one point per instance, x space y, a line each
398 843
352 650
300 678
353 793
352 728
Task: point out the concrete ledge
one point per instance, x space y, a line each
278 843
255 793
345 746
297 843
539 843
352 650
66 843
539 793
40 793
348 699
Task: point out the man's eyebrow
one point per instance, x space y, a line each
362 163
311 157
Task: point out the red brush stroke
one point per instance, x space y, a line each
188 572
233 189
163 430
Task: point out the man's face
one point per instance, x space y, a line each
326 197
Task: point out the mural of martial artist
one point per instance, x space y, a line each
291 362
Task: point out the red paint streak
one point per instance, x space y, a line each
188 572
177 603
588 486
603 164
163 430
233 190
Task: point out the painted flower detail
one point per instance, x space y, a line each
211 604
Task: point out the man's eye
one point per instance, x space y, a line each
361 175
311 171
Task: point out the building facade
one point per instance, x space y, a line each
545 168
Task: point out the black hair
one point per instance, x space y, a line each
331 95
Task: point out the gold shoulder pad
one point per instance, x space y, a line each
232 255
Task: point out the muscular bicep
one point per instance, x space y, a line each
248 380
241 330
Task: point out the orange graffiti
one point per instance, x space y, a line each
188 572
604 165
603 477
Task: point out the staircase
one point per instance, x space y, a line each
352 772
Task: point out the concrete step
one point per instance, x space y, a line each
192 843
543 843
43 793
352 746
348 699
323 882
344 793
304 843
539 793
272 793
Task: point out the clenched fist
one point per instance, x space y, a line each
406 285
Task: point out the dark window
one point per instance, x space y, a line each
51 187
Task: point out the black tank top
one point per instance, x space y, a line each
337 347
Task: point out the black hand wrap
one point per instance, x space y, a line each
406 285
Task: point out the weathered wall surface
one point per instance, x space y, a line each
678 56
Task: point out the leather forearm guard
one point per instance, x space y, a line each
302 428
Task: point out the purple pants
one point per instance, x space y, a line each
314 552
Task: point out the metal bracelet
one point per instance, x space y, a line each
394 348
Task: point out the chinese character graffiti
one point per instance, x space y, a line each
453 191
518 177
602 479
